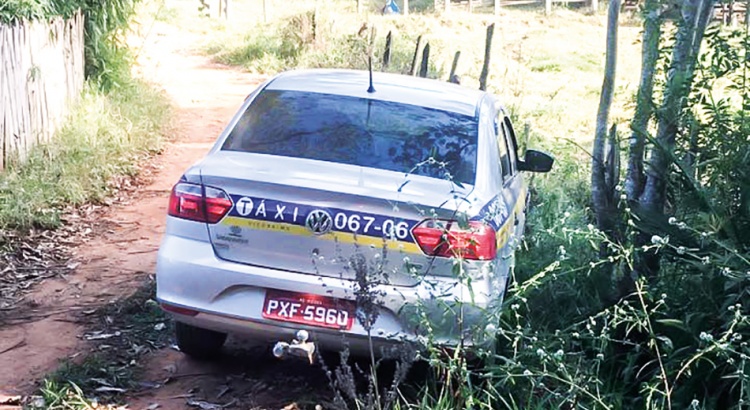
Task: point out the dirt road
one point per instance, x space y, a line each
122 251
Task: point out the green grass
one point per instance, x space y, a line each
106 136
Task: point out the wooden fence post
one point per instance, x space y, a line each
406 7
359 6
526 137
497 7
413 69
452 76
265 11
425 61
487 52
227 8
387 52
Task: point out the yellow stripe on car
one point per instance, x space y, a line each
341 237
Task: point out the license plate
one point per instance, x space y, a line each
306 309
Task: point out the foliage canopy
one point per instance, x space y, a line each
107 62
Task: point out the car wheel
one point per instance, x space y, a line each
197 342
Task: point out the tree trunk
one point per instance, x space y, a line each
602 198
695 16
635 179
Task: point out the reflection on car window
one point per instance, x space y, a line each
503 151
357 131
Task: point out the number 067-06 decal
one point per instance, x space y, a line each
359 223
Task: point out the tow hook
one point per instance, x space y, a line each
299 347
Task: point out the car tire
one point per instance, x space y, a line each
199 343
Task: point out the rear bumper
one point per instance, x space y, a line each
229 298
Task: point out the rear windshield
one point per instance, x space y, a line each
357 131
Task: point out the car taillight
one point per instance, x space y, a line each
437 237
198 203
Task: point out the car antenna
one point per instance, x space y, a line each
369 63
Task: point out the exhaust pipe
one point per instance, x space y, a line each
299 347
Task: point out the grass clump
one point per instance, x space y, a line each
106 135
313 39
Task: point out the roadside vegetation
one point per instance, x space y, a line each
107 136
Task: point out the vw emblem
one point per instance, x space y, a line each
319 222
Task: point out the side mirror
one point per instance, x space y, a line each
536 161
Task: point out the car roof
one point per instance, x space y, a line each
398 88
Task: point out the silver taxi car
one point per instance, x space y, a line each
328 184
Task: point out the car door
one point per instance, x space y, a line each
513 189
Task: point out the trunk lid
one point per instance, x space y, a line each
313 217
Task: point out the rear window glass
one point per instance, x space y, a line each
357 131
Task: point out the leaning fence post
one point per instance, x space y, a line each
487 50
425 60
452 76
526 137
414 60
387 52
